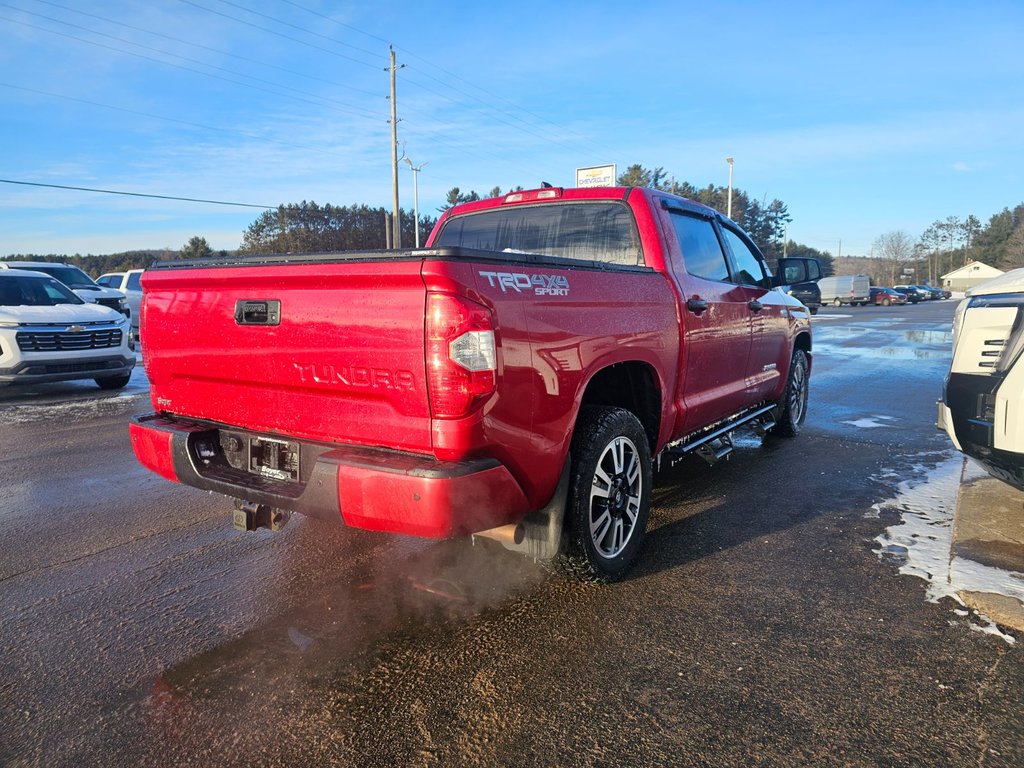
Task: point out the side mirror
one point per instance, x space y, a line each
797 270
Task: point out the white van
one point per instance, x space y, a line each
845 289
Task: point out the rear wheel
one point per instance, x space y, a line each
793 407
886 302
113 382
836 302
609 494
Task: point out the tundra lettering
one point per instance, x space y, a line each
354 376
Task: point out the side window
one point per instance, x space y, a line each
749 270
702 253
135 281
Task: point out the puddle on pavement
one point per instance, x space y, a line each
887 343
921 544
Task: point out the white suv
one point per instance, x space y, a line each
130 284
75 279
49 334
982 407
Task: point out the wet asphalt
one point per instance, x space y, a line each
760 628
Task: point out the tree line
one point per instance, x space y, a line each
950 243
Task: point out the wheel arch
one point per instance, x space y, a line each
631 385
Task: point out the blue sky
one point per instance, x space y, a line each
862 117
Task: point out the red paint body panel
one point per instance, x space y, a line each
346 359
153 450
429 507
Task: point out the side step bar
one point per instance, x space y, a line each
717 445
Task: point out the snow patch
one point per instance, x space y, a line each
871 422
921 545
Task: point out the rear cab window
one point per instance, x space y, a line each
599 231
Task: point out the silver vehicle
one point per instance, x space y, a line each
845 289
982 407
78 281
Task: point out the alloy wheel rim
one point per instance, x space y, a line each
798 393
615 497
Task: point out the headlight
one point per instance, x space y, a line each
958 319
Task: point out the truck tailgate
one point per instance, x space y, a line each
331 351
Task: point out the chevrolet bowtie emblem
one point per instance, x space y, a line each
76 328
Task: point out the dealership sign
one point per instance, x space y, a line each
596 176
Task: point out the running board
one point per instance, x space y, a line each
717 445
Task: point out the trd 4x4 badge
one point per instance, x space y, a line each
542 285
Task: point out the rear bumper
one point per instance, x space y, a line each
370 488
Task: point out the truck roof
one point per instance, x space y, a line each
552 194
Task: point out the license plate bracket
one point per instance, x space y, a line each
275 459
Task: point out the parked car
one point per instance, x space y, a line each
78 281
47 333
886 296
914 293
845 289
807 292
937 294
984 391
130 284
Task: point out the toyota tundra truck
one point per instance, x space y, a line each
519 378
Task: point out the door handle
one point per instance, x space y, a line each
696 305
755 305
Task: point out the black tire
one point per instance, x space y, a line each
113 382
793 406
837 302
609 495
814 310
886 302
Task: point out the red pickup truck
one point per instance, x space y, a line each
519 377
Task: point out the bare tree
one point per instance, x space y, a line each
896 247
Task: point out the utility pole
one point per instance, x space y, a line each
396 214
416 195
728 211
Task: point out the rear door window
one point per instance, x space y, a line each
601 231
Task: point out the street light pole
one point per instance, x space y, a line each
729 204
416 194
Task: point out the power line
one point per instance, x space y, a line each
136 194
218 51
314 99
406 51
296 27
286 37
492 107
178 121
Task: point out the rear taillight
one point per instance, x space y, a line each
461 355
